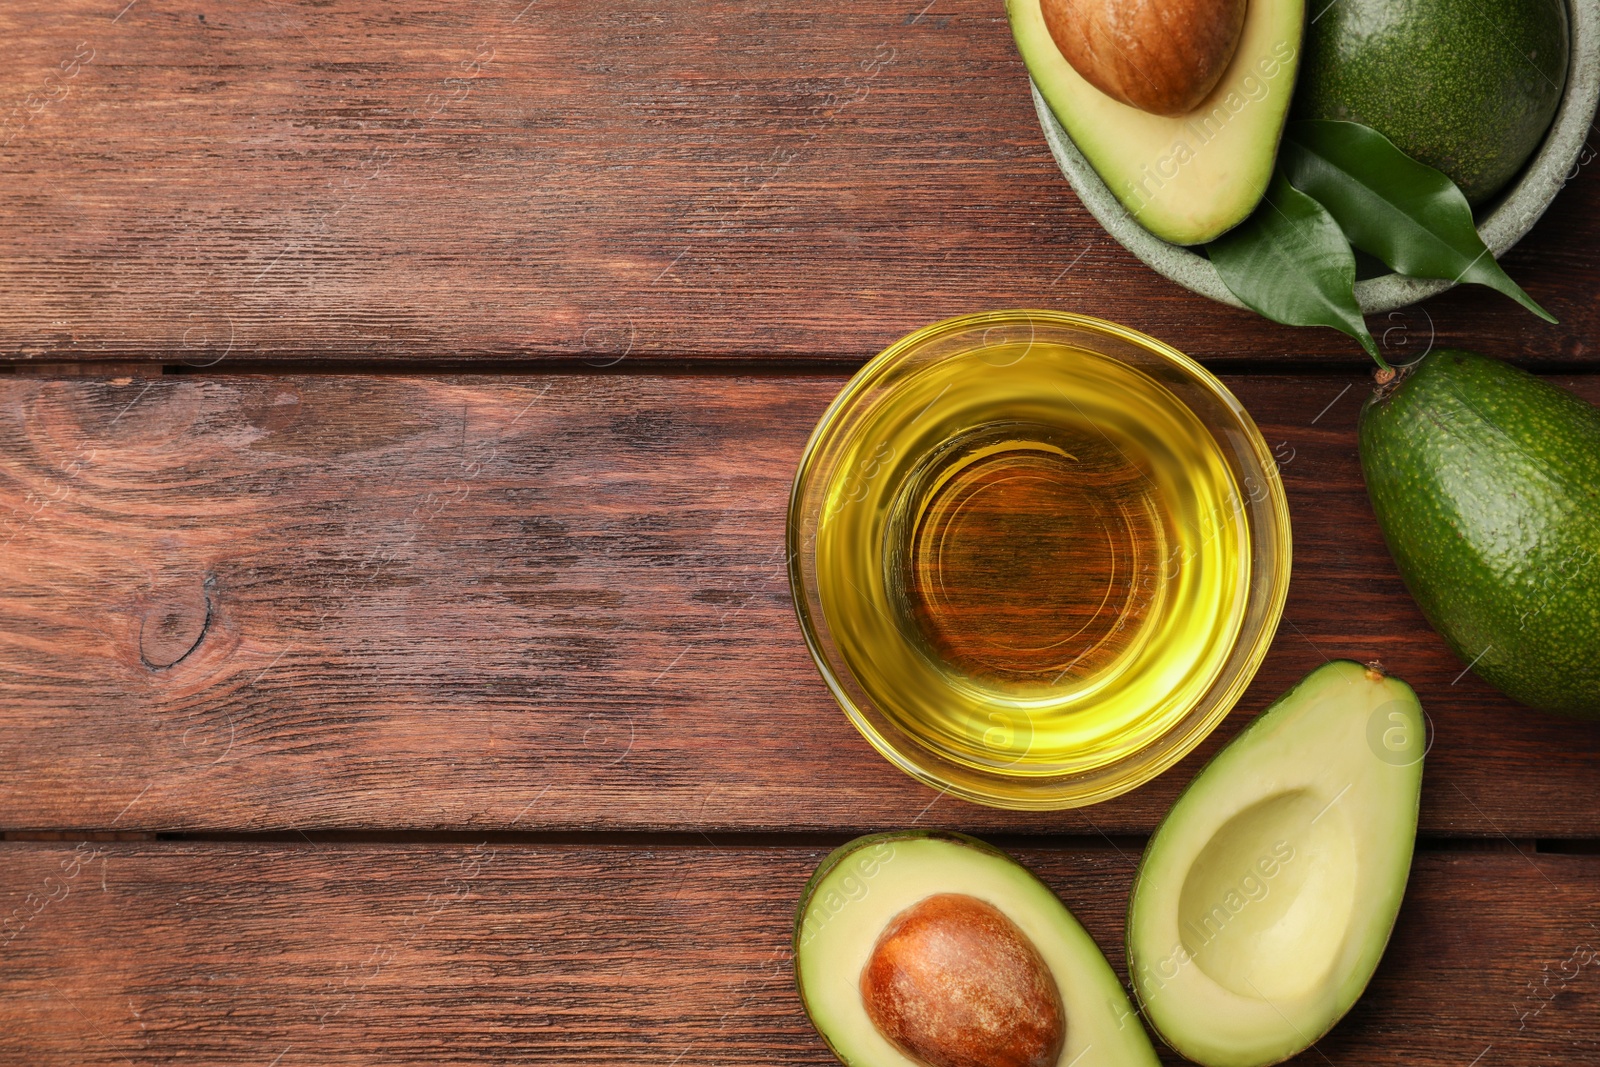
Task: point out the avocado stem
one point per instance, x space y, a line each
1388 379
1375 672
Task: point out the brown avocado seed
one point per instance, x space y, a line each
1160 56
952 982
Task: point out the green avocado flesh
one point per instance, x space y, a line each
1186 178
1265 899
1486 483
1466 86
862 886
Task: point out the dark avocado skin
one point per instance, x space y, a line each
1486 483
1466 86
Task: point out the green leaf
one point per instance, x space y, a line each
1406 213
1290 262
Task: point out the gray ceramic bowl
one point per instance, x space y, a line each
1518 208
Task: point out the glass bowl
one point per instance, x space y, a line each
1036 556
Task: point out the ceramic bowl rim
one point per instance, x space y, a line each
1513 216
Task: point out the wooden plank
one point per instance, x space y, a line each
354 181
554 603
229 954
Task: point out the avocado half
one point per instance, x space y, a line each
1266 898
1186 178
861 886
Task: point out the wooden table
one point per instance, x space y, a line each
399 412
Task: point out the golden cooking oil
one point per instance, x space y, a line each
1033 557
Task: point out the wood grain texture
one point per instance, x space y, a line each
554 603
396 955
503 179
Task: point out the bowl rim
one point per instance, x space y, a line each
1111 779
1518 209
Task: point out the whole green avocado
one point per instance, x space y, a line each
1468 87
1486 483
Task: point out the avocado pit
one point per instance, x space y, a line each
1160 56
952 982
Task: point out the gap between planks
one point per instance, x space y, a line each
684 366
1127 844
